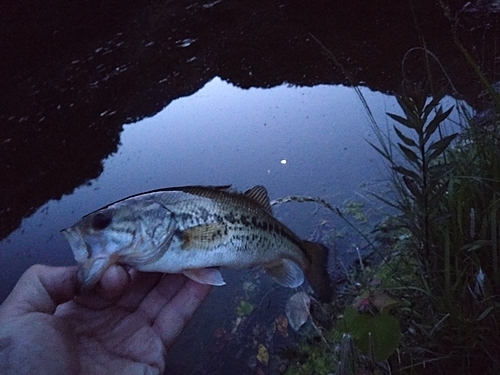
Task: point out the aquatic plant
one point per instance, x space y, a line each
244 308
444 234
443 268
310 358
448 197
361 341
376 334
422 176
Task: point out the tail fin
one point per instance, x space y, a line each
317 274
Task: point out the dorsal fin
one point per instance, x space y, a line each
259 194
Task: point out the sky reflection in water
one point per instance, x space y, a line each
226 135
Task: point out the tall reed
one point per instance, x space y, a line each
447 194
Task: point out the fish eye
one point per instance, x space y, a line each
101 220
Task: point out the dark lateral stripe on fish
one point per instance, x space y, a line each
264 225
258 195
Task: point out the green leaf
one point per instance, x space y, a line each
384 200
379 334
245 308
437 148
409 109
419 98
387 335
485 313
401 120
476 245
408 141
413 187
406 172
438 171
384 302
434 124
350 314
410 155
433 104
438 194
381 152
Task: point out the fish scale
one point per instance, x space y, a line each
249 220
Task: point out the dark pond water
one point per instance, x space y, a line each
104 99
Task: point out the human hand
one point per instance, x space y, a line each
124 326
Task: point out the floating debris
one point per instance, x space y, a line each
282 325
297 309
245 308
263 355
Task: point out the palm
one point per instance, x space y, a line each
115 344
130 335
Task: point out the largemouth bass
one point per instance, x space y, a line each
193 230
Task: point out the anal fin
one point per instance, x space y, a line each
209 276
287 273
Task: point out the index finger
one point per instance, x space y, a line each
176 315
41 289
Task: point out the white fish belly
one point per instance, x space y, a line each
177 260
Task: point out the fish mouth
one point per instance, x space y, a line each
91 271
91 268
77 243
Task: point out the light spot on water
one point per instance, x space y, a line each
185 42
209 5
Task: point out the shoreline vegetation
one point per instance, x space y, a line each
431 303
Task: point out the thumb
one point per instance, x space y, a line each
42 289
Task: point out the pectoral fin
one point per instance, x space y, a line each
204 237
209 276
286 273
